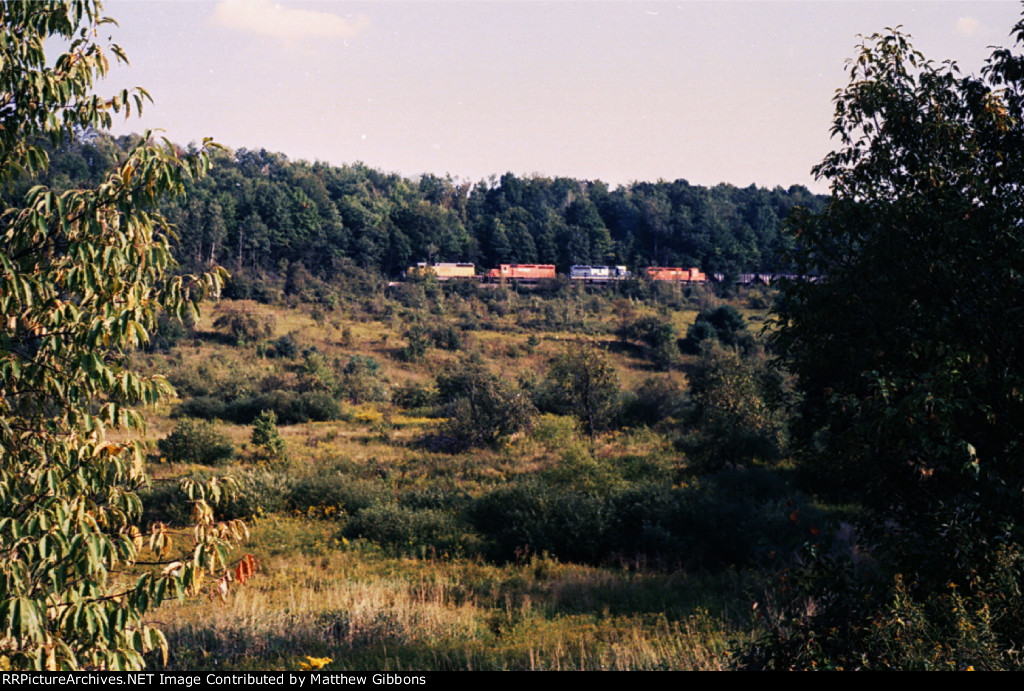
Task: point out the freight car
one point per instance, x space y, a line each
522 272
444 271
598 274
677 274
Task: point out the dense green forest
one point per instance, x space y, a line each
259 214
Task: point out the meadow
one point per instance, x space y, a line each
385 540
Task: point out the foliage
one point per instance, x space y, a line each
360 380
731 417
83 275
290 407
292 230
482 408
533 518
170 331
283 347
907 353
196 441
419 340
724 324
265 436
411 529
874 624
658 334
656 399
583 382
245 325
316 374
912 382
412 395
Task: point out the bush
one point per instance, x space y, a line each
259 492
360 381
170 331
481 408
731 417
245 325
265 436
338 490
656 399
658 334
532 518
283 347
418 341
196 441
413 395
725 324
407 529
446 337
582 382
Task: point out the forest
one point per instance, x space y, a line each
234 437
259 214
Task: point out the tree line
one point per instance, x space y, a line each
260 214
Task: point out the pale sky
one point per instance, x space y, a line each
736 92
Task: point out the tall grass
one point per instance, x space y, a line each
367 611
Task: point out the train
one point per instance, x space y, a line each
598 274
444 271
676 274
522 272
584 273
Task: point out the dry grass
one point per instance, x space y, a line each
366 611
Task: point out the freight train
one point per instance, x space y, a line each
532 273
598 274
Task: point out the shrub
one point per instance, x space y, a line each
196 441
658 334
481 408
418 342
446 337
258 492
245 325
413 395
170 331
732 420
532 518
283 347
265 436
724 324
350 494
407 529
656 399
360 381
582 382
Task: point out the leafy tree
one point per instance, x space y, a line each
583 382
419 341
83 275
659 334
482 409
724 324
731 417
908 350
361 381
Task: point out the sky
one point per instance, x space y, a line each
711 92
